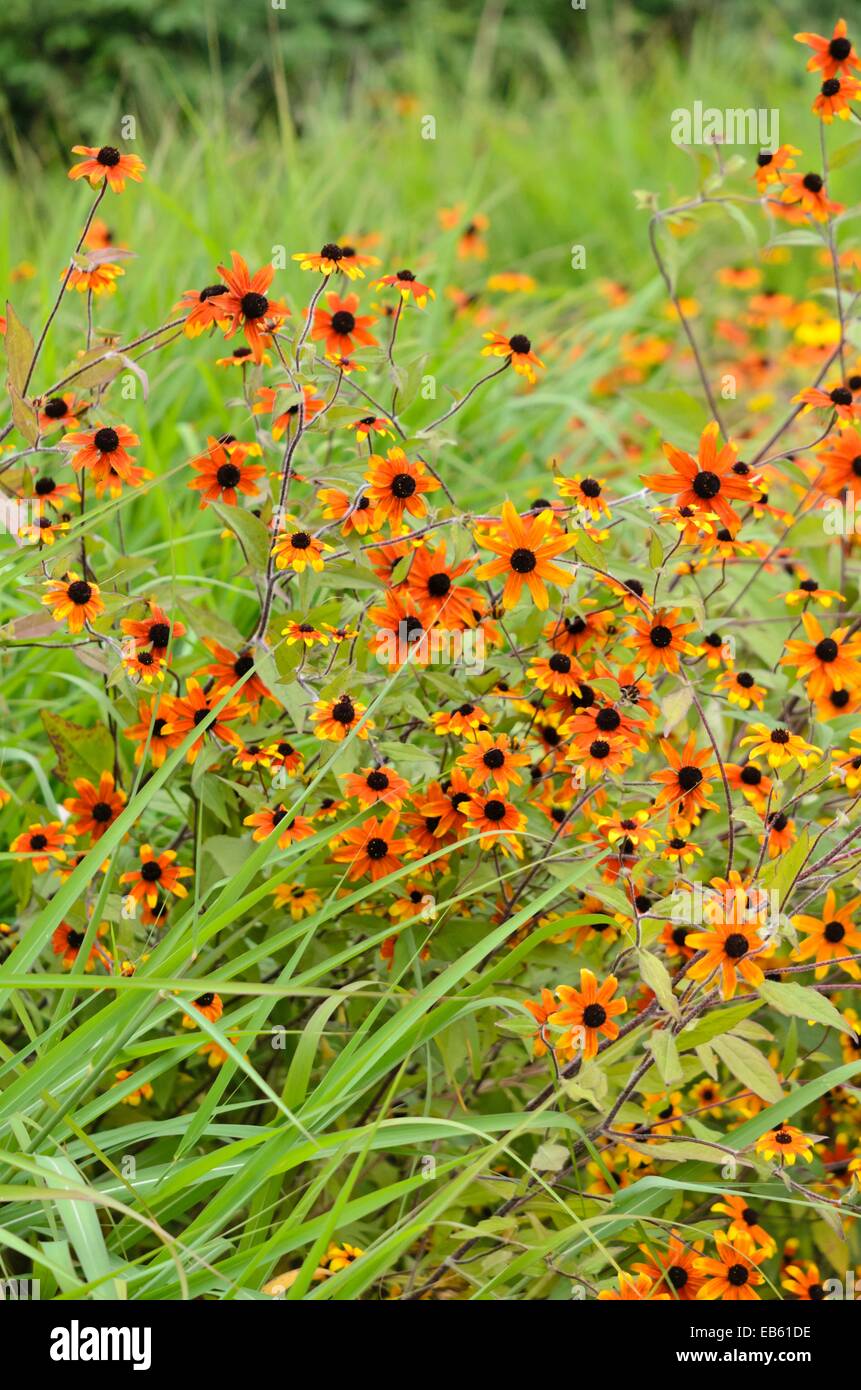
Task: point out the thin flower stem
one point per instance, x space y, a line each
58 301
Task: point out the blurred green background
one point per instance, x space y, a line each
64 62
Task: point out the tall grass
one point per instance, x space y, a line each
235 1172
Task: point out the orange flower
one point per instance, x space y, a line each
296 549
588 1012
841 456
368 425
708 483
770 163
786 1143
298 898
339 325
541 1013
608 753
831 55
98 279
202 309
155 632
94 808
246 304
151 728
188 711
332 257
526 548
517 350
77 599
356 513
498 822
267 398
370 848
106 163
731 947
430 581
741 689
336 718
42 843
829 663
60 410
409 286
745 1221
67 942
101 448
834 97
493 759
157 873
808 192
377 784
733 1276
804 1283
829 936
228 668
557 673
397 485
208 1004
779 746
290 831
633 1290
660 640
440 811
224 472
674 1268
838 398
283 757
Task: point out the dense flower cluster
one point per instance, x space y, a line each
606 731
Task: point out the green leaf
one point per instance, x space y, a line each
749 1067
802 1001
675 706
663 1048
781 872
550 1158
80 752
249 531
589 551
656 551
655 974
19 350
715 1023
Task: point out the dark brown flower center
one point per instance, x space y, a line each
706 485
254 306
343 711
736 945
79 592
438 585
228 475
403 486
106 440
523 561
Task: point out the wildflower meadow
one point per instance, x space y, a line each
430 679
